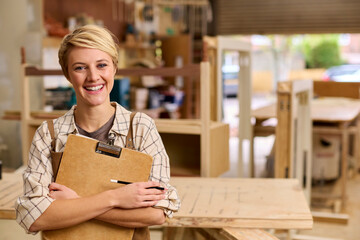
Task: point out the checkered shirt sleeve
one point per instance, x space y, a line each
37 177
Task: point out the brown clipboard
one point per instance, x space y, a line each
87 166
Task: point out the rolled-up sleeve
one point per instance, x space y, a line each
37 177
152 144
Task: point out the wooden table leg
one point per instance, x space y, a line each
356 146
251 154
344 162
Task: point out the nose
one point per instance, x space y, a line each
92 74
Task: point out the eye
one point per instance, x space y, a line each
79 68
102 65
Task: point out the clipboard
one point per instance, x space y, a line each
87 166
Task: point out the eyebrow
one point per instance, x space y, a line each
81 63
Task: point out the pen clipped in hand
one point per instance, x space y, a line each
123 182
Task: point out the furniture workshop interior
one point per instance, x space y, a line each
263 142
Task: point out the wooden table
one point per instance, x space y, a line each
329 116
235 204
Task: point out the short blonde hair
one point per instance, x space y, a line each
88 36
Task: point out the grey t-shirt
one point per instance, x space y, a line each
102 134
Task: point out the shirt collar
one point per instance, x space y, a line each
120 125
67 125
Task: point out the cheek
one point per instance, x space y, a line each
111 84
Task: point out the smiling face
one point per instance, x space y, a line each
91 72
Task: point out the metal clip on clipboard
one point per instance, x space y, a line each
106 149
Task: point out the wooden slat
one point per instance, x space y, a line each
286 16
247 234
283 136
191 70
331 89
330 217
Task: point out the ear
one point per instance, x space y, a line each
115 70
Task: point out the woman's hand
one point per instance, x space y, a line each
58 191
137 195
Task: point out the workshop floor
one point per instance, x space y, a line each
10 230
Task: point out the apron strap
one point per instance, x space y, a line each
130 137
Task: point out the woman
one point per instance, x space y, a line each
88 58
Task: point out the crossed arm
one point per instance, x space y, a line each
128 206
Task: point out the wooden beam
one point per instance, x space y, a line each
191 70
330 217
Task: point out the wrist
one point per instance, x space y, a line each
111 198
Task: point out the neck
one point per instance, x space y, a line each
92 118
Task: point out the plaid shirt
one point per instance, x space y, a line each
39 174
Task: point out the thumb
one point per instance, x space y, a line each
55 186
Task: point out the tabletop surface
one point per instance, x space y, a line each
244 203
328 109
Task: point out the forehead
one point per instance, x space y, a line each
86 55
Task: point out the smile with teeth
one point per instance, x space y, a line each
94 88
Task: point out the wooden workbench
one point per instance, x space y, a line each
226 207
241 203
329 116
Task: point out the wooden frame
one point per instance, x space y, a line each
293 146
213 50
213 157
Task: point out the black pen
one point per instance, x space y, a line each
123 182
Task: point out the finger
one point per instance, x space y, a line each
154 191
153 197
149 203
152 184
55 186
51 194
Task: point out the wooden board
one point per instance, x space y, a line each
327 109
11 187
337 89
247 234
241 203
334 109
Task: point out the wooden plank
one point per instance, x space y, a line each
219 150
205 143
274 17
327 109
264 113
283 137
191 70
335 109
11 187
247 234
337 89
306 237
330 217
245 203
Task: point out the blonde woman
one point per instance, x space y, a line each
88 58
